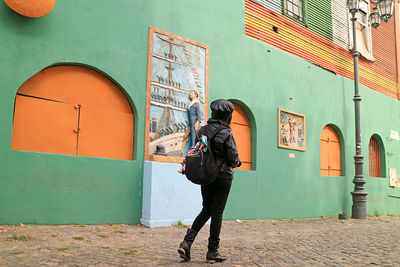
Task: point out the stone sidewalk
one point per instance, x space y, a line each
303 242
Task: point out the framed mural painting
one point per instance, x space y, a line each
291 130
177 95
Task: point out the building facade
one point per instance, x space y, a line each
88 91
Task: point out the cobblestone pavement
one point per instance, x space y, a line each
303 242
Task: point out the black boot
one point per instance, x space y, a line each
184 247
212 254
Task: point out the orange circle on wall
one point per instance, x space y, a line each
31 8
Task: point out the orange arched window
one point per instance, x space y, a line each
330 152
242 133
374 158
75 111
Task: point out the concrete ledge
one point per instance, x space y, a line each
155 223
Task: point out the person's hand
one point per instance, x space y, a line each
196 125
238 165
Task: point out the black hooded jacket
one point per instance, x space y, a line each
223 144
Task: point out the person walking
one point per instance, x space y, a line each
215 195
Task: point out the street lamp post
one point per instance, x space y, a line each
383 9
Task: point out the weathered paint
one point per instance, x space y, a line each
51 188
340 23
168 197
274 5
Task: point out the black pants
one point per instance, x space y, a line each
214 196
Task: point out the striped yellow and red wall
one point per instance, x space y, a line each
275 29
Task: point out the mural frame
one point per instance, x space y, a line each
280 124
153 30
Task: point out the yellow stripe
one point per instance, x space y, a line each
344 63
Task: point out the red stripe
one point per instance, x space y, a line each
288 47
325 43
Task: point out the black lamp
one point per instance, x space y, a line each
353 5
386 8
375 18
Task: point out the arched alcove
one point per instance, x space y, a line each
331 151
376 157
244 129
73 110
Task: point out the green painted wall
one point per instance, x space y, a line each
112 36
52 189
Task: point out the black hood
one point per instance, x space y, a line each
222 110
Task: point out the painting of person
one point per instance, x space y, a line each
291 127
283 135
194 114
301 135
291 130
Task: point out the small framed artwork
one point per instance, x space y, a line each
291 130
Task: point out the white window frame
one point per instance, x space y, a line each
363 19
302 17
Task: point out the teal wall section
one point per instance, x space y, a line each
112 36
53 189
58 189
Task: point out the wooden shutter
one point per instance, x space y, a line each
242 133
44 126
374 158
73 110
105 133
340 23
274 5
330 152
319 17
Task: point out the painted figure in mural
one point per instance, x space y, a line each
283 135
215 194
291 128
301 134
194 114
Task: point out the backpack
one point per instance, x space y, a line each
200 167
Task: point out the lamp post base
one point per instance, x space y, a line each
359 208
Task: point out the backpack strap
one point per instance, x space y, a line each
216 131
